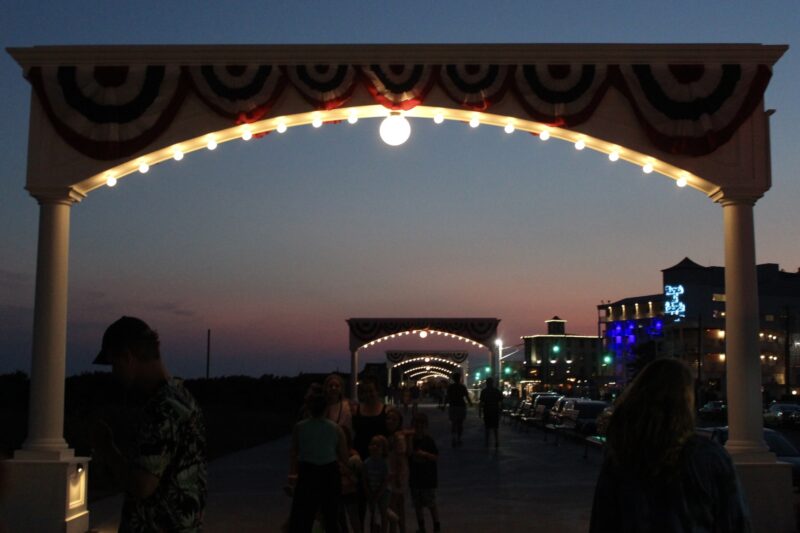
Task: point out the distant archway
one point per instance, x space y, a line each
366 332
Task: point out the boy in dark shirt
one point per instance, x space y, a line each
423 473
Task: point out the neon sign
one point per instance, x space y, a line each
673 304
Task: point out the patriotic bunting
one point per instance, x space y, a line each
113 112
244 93
562 95
323 86
109 112
692 109
399 87
475 87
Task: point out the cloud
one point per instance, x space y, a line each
170 308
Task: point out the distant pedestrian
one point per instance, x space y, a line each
490 407
318 448
658 475
457 399
423 472
163 472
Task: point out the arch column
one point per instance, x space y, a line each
743 372
45 438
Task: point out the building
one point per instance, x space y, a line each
561 361
687 320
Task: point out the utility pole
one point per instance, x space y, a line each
208 354
787 355
699 358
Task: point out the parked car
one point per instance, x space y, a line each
778 414
585 413
777 443
716 410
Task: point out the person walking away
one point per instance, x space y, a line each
163 472
318 448
490 407
457 398
423 472
658 475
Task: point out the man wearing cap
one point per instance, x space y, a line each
164 475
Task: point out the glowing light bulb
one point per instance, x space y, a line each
474 122
647 169
395 129
544 135
247 135
509 128
438 118
352 118
212 144
144 167
111 181
177 155
682 181
423 334
580 145
613 156
281 127
317 122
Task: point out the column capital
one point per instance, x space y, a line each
56 195
735 195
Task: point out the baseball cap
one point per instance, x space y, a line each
123 332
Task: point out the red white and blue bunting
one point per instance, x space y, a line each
109 112
244 93
399 87
114 112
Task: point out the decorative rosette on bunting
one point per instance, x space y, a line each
399 87
323 86
459 357
244 93
108 112
562 95
693 109
475 87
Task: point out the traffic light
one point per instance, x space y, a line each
607 359
507 370
488 370
556 348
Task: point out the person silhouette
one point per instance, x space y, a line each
658 475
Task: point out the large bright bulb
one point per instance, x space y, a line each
544 135
613 156
438 118
682 181
395 129
111 181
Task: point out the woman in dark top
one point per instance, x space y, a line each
457 398
657 474
370 416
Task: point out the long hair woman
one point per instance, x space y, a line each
657 474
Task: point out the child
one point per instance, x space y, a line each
376 481
423 472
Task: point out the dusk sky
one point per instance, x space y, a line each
272 244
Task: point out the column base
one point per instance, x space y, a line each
769 493
45 495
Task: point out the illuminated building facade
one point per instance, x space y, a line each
687 320
561 361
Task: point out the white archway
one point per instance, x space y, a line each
694 113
